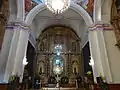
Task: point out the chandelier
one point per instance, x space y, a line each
57 6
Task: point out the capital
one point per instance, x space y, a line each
17 24
101 26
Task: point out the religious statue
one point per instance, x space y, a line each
115 19
58 81
75 67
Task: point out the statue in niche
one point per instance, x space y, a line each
75 67
115 19
41 46
41 67
40 71
73 46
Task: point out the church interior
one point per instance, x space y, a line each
59 44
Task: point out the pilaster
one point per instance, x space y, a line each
99 52
5 50
17 49
113 54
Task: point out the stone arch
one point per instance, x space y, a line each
73 6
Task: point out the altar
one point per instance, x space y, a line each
59 88
58 60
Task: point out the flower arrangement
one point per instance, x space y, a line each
13 82
102 77
64 80
102 82
89 73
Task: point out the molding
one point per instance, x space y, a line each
64 18
101 27
17 24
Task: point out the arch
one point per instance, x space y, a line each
63 26
73 6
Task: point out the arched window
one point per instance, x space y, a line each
75 67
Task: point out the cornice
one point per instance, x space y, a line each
101 26
18 24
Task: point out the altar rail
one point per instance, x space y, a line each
110 86
59 89
62 85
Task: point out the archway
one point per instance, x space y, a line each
41 7
37 9
58 46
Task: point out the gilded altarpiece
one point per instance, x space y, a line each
4 13
70 53
115 19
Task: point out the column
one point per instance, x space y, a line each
17 50
98 45
113 55
99 53
111 41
